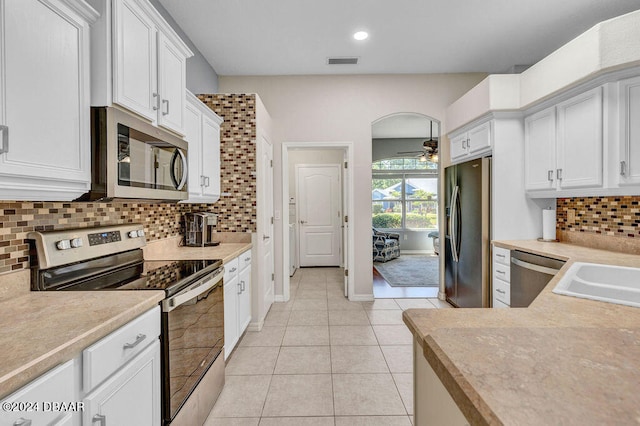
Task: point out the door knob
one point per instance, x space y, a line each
265 237
303 222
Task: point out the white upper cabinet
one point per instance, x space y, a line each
579 141
134 59
139 62
44 99
564 145
629 110
472 143
540 150
202 131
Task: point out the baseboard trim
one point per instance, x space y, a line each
424 252
278 298
255 326
442 295
362 298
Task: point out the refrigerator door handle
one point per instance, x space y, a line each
453 221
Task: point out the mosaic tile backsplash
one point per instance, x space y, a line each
236 208
237 205
612 216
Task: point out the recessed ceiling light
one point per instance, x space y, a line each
361 35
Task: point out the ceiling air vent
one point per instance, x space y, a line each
342 61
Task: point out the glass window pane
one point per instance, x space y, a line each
386 188
422 215
421 188
387 214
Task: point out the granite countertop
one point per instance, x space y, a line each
562 360
170 249
40 330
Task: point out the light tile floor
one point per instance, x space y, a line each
322 360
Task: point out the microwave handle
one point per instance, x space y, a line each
185 168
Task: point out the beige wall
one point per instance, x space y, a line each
341 109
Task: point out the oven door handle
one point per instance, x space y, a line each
195 290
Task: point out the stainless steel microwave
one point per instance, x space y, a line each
133 159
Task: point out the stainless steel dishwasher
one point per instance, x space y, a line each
530 273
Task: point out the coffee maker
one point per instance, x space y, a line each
199 229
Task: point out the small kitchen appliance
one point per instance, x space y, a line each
200 228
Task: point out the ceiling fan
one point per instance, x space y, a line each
429 148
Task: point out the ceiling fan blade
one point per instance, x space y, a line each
410 152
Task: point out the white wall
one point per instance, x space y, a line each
341 109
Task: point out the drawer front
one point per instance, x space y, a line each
103 358
231 269
502 272
57 385
245 259
499 305
502 291
501 255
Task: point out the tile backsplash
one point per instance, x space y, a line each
236 208
617 216
17 218
608 223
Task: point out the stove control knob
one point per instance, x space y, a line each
133 234
76 242
63 244
141 233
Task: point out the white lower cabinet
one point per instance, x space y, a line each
237 300
501 278
131 396
115 381
28 403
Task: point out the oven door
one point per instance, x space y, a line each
193 337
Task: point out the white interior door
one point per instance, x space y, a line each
267 220
319 214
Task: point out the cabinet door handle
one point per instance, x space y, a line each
239 288
4 139
559 174
243 285
99 418
500 272
206 179
500 255
22 422
623 167
232 270
157 103
139 338
550 175
500 291
202 181
165 102
246 259
464 144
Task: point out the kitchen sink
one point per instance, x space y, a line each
605 283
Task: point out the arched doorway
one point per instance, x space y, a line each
404 205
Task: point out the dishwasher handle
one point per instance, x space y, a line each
534 267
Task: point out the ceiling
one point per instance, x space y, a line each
407 125
295 37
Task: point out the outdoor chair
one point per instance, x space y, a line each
386 246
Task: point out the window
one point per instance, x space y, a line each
404 194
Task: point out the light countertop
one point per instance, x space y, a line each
562 360
40 330
170 249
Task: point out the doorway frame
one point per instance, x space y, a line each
347 190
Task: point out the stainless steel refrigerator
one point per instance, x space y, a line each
467 258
